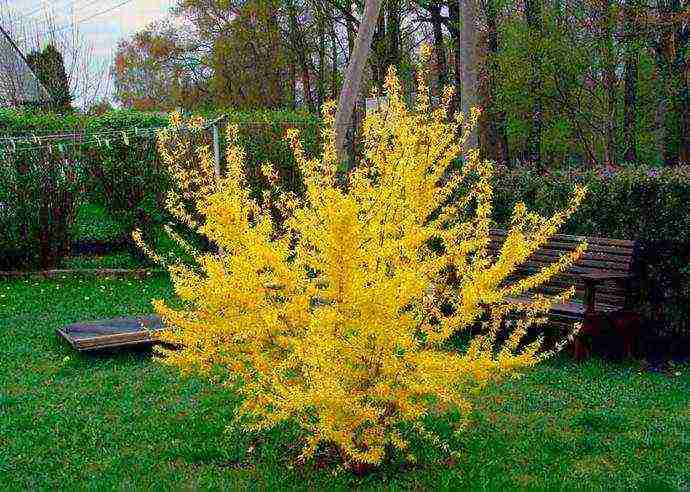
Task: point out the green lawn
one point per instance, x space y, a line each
123 421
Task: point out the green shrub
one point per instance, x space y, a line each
640 202
262 135
123 175
45 184
39 196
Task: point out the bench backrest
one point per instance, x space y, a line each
602 255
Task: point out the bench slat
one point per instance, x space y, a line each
598 264
588 256
604 241
573 269
614 300
610 251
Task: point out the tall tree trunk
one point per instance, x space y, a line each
468 38
321 85
495 114
306 87
534 24
353 74
685 119
660 110
630 102
439 45
671 150
293 84
455 27
334 68
673 106
351 29
302 54
630 97
393 32
379 52
610 82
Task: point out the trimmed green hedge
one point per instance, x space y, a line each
43 189
25 122
640 202
262 135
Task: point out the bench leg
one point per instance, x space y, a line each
628 327
580 349
591 327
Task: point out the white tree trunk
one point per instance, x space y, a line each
353 75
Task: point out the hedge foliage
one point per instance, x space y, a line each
25 122
43 189
641 202
261 134
638 202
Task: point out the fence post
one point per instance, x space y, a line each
216 142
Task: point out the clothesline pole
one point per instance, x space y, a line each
216 143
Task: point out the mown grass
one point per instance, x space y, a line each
121 260
118 421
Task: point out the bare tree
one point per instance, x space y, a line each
19 85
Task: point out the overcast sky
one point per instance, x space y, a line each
102 23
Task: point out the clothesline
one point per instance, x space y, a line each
98 139
12 144
70 136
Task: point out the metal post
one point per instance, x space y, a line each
216 154
216 149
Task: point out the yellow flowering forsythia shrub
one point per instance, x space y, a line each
337 319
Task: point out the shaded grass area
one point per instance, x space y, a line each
123 420
93 223
123 260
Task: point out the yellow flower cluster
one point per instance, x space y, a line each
338 319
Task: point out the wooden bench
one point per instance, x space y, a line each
606 285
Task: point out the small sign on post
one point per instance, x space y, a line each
376 103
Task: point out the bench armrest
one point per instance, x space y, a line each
592 280
597 278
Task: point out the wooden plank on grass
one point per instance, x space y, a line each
111 333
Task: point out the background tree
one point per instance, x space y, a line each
49 66
249 59
66 57
561 83
161 67
353 75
